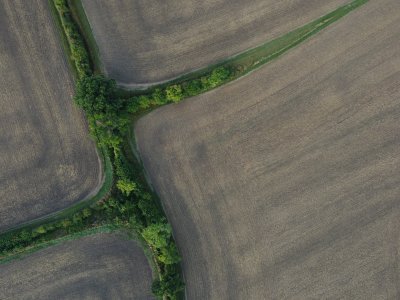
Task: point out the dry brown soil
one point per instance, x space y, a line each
102 266
285 184
148 41
47 160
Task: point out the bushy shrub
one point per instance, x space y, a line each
169 255
39 230
126 186
108 119
218 76
193 87
144 101
174 93
150 211
158 97
157 235
169 286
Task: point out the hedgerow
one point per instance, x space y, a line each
76 43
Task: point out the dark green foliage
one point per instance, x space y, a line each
126 186
133 105
157 235
77 46
94 95
107 116
218 76
193 87
177 92
169 255
150 210
169 286
174 93
158 97
211 80
144 101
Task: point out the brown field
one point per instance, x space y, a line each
148 41
47 159
285 184
102 266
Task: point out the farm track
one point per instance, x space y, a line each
47 159
165 40
102 266
285 184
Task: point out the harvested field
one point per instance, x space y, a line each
285 184
144 41
47 159
102 266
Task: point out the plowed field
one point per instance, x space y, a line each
102 266
47 160
285 184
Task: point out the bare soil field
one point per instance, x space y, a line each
285 184
47 159
148 41
102 266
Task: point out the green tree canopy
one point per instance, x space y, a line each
158 235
